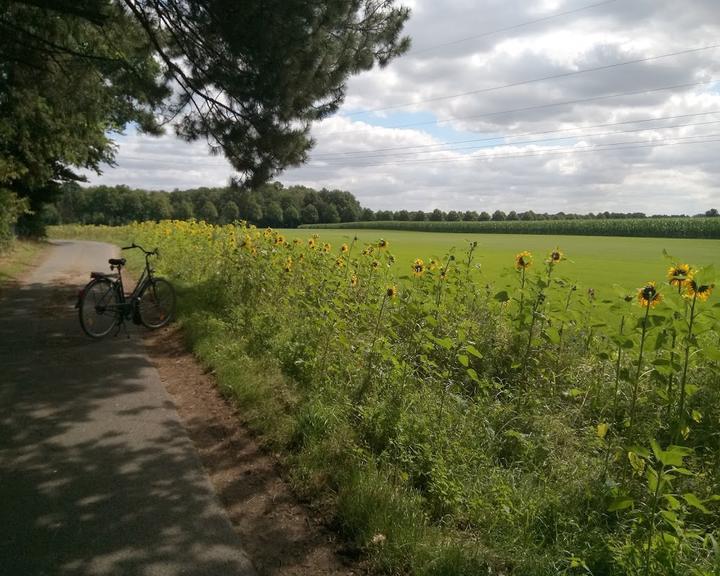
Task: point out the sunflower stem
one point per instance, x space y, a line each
683 379
636 381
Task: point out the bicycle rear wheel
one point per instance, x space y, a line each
99 308
157 303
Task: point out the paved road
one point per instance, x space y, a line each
97 475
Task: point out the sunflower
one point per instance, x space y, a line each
367 250
375 264
353 280
649 296
694 290
391 291
279 239
523 260
679 274
382 244
327 248
312 243
268 232
555 256
418 268
443 274
339 262
433 264
288 264
344 248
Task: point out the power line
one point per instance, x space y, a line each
552 151
529 108
509 28
524 142
507 136
541 79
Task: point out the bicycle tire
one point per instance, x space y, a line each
156 306
95 319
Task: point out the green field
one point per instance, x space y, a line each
593 261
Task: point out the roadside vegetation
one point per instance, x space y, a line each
16 259
450 426
663 227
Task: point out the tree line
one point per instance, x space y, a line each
271 204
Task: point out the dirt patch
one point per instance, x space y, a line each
281 536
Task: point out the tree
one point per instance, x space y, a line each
367 215
418 216
309 214
484 216
249 79
512 215
184 211
712 213
291 216
384 215
402 215
159 207
453 216
69 73
230 212
208 212
436 215
498 216
470 216
274 214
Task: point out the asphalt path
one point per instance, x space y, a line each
97 475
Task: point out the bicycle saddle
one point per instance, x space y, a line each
117 261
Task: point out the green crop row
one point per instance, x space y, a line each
637 227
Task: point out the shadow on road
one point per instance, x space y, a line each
97 475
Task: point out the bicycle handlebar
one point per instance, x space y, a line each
147 253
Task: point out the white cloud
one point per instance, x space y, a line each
383 170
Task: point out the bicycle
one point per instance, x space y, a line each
103 304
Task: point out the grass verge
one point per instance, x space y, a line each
21 256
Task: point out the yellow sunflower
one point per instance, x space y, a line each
555 256
312 243
701 292
523 260
353 280
375 264
391 291
288 264
418 268
649 296
344 248
339 262
382 244
327 248
432 264
279 239
679 274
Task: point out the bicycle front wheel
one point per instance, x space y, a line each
157 303
99 308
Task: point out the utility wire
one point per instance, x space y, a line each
529 108
509 28
353 153
551 151
541 79
523 142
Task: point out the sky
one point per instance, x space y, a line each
543 105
